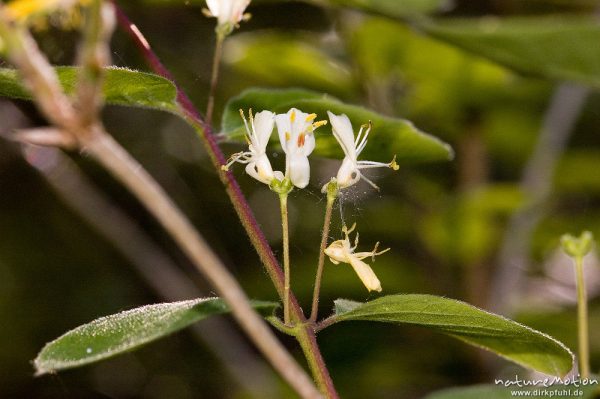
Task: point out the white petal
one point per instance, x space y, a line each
342 130
299 170
238 9
284 128
260 169
298 123
309 144
263 125
214 6
365 273
348 174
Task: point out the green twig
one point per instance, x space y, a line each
286 257
91 137
582 320
257 237
577 248
332 192
214 79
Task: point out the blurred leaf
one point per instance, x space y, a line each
121 87
395 8
284 60
551 47
500 392
573 172
402 72
389 136
112 335
466 229
506 338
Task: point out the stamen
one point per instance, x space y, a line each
375 253
301 140
287 136
319 124
232 159
347 230
293 116
361 140
244 119
369 181
252 123
311 117
393 165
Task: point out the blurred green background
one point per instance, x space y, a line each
483 228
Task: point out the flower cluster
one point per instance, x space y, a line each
296 135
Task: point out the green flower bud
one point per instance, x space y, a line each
577 246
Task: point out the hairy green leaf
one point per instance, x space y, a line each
112 335
389 136
121 87
550 47
506 338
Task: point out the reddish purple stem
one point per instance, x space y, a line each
235 193
215 151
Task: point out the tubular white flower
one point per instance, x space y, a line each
342 251
258 132
227 11
349 172
296 130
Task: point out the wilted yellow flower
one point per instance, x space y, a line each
343 251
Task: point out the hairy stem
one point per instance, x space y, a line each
286 257
91 137
317 289
240 204
582 320
214 79
93 55
308 342
153 265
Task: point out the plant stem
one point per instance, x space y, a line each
154 266
317 289
240 204
214 77
582 319
192 116
41 78
308 342
286 257
129 172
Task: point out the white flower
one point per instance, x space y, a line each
258 132
349 173
227 12
298 141
342 251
